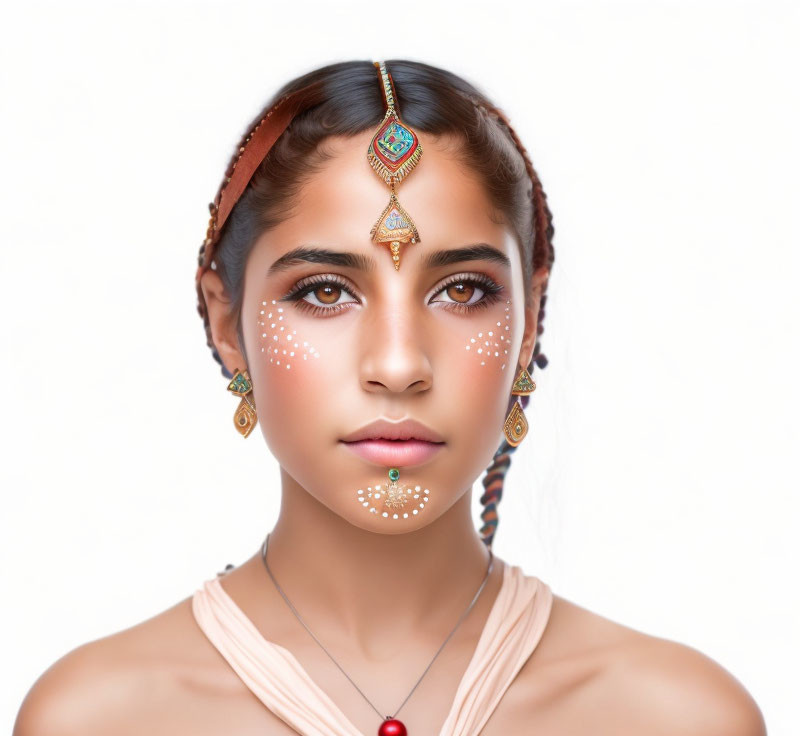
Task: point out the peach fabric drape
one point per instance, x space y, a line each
512 630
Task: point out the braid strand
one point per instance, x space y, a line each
543 255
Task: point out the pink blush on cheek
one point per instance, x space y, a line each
278 341
491 345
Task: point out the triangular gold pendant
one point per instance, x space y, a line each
524 384
394 227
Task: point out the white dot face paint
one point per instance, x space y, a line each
492 345
393 500
279 340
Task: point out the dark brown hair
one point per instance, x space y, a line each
431 100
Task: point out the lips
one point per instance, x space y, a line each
394 453
394 443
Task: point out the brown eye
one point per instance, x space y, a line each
460 292
467 293
324 296
327 294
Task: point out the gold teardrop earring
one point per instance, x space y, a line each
516 425
244 418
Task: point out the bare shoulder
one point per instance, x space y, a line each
123 683
685 688
630 682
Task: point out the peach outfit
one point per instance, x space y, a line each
512 630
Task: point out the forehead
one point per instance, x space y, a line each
340 202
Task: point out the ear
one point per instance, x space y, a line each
538 282
222 321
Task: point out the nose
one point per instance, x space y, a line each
394 355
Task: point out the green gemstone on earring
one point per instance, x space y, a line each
394 474
239 385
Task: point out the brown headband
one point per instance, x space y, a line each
253 149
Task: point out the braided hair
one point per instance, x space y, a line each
347 101
543 254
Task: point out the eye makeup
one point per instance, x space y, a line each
492 344
280 342
489 293
489 288
310 285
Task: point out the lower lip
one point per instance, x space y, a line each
395 453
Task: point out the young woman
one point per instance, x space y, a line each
373 285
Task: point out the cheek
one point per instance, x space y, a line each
292 382
281 346
490 347
480 361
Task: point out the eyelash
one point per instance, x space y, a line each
491 290
306 286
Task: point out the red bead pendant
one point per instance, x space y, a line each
392 727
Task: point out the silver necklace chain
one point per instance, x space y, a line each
294 611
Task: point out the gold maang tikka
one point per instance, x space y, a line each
393 152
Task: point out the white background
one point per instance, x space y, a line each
658 485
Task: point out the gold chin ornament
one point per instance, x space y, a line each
393 152
393 499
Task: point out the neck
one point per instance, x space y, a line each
359 578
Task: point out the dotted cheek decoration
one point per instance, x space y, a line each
393 500
493 344
279 342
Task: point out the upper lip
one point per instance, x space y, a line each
408 429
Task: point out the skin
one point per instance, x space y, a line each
397 347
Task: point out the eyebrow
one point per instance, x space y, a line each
437 259
312 254
474 252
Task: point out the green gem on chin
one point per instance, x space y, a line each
394 474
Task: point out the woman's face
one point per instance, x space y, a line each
336 341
